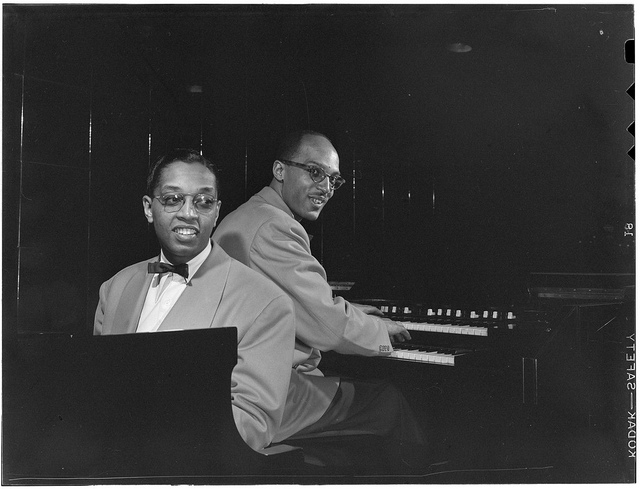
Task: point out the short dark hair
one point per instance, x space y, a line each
290 145
179 154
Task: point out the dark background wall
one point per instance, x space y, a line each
466 171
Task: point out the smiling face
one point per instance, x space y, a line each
303 196
185 233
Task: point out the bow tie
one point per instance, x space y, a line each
160 267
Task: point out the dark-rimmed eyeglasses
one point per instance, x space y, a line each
317 174
173 202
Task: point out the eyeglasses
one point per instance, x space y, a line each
202 203
317 174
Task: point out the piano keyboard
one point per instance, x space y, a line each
426 354
445 335
464 329
451 321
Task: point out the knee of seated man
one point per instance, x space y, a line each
391 407
381 394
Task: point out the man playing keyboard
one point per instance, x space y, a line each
265 233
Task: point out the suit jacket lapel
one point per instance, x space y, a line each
198 304
132 300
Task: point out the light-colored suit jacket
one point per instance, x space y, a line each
263 234
222 293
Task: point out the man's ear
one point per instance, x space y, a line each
217 213
278 171
146 206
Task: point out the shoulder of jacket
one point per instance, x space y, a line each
127 272
260 284
279 228
270 211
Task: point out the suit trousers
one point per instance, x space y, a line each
367 407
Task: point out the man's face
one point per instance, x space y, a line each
182 234
303 196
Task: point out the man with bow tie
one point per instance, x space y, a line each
194 284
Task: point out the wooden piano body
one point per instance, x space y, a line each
134 409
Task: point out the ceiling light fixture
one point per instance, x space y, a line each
459 47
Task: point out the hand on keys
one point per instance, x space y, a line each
367 309
397 332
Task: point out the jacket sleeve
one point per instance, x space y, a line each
281 251
260 380
100 310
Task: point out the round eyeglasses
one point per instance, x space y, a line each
317 174
202 203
